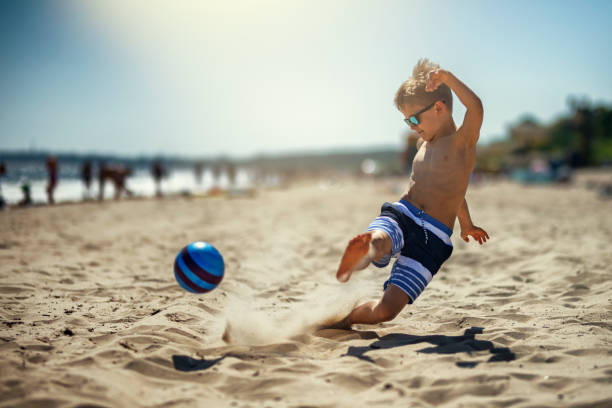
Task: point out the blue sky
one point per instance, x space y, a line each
202 78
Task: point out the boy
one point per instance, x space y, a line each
417 228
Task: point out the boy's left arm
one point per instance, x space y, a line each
472 121
467 226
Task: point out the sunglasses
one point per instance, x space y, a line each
414 119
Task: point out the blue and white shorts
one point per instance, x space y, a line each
420 242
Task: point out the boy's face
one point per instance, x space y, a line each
428 118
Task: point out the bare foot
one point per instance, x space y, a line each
355 251
342 324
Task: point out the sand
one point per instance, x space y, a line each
91 315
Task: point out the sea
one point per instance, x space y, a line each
181 177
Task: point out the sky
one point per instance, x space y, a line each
239 78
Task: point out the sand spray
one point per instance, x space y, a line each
324 306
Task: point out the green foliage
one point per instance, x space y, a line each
563 136
582 138
603 150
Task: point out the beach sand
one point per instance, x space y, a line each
91 315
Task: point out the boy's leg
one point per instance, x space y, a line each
361 250
392 302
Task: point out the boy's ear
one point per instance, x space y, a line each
440 107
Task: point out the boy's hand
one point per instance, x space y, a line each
435 78
477 233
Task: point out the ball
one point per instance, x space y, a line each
199 267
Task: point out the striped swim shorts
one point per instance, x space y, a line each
420 242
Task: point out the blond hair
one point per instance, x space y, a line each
412 92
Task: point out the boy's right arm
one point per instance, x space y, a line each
474 110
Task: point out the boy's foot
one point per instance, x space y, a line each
354 253
342 324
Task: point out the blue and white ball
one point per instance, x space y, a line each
199 267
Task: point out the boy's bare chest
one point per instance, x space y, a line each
443 161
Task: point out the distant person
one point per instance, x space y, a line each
101 180
231 174
26 190
216 189
52 180
198 169
2 173
118 176
158 171
216 173
417 228
86 177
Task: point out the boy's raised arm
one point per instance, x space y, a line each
474 110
